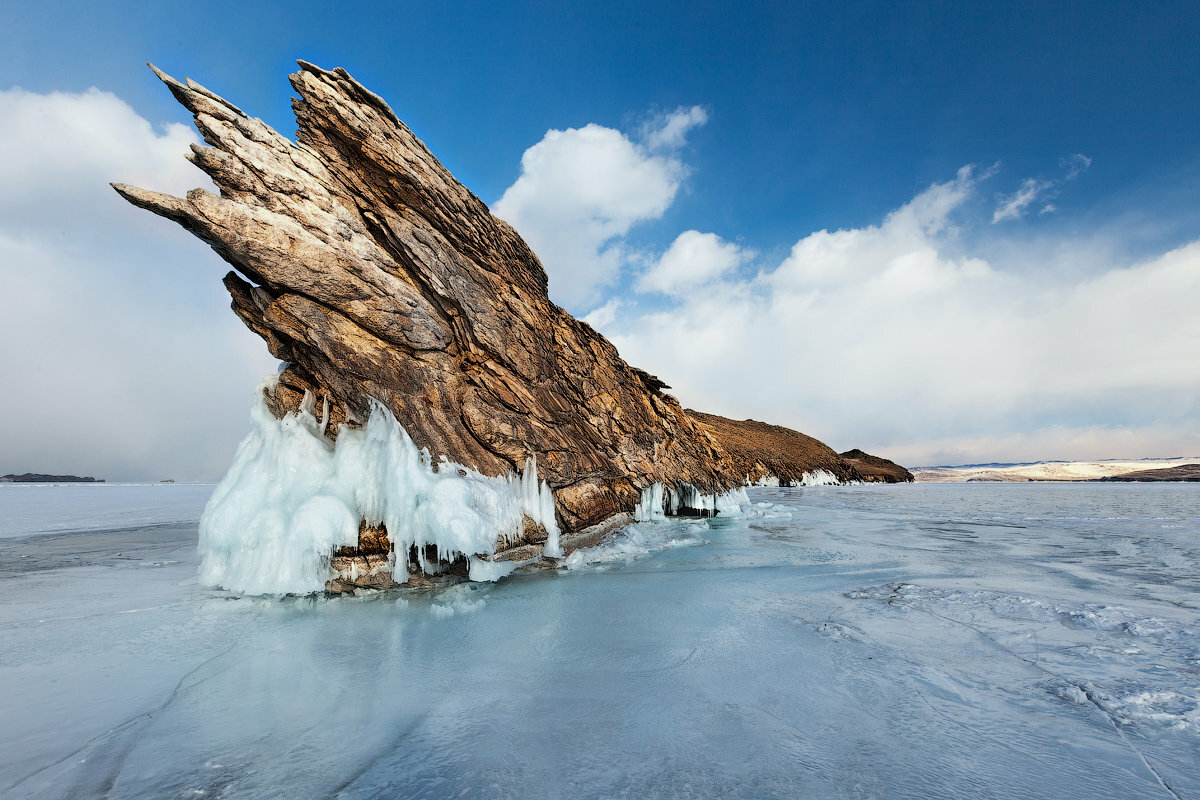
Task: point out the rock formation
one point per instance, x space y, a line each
873 469
368 268
761 451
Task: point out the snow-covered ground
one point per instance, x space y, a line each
1046 470
912 641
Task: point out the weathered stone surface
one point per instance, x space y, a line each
361 261
373 571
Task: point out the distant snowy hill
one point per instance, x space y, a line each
1045 470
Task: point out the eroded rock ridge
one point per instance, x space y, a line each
368 268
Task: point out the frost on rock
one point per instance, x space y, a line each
292 497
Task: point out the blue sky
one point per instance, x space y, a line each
815 117
822 114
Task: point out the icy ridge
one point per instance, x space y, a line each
292 496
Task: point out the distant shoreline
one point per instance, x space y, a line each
34 477
1146 469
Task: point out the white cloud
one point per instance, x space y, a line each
692 260
1076 164
891 337
582 189
122 359
670 130
602 316
64 149
1014 206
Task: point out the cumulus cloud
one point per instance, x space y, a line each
582 189
897 337
693 260
121 359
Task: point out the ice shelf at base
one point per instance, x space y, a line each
292 496
659 501
817 477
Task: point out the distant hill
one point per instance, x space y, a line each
1050 470
1183 472
33 477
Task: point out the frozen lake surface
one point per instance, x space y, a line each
917 641
29 508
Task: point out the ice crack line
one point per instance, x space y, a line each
145 715
1089 695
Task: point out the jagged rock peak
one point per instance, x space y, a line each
366 265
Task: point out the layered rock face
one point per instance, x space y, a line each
362 261
378 277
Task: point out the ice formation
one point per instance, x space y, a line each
292 497
767 480
659 501
817 477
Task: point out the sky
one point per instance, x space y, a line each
942 232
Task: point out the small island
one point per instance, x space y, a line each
35 477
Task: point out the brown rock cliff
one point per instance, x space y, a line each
366 265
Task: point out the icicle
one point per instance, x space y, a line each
324 415
291 497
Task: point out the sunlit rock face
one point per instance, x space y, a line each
385 284
365 264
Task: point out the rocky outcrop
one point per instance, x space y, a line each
378 277
761 451
366 265
873 469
